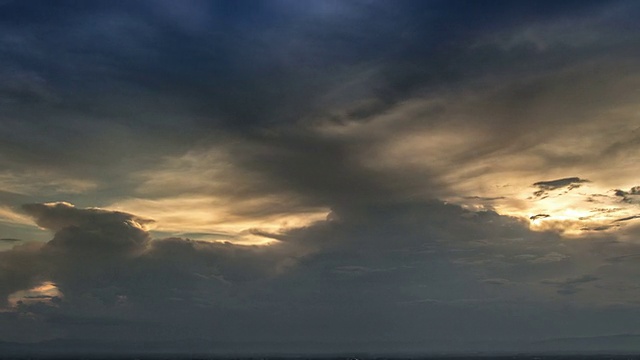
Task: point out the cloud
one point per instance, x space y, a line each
629 196
381 116
539 216
105 263
207 191
42 182
19 270
363 263
60 215
568 183
627 218
386 156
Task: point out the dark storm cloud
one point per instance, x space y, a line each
330 276
244 53
19 270
101 260
158 73
188 274
324 169
397 267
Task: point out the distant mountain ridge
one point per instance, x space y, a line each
610 344
604 343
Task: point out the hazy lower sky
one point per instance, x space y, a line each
451 174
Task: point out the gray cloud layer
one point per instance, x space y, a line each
407 271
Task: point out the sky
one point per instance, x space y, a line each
367 175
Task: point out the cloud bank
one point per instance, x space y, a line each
412 268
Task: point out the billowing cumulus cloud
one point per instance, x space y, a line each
57 216
105 263
413 267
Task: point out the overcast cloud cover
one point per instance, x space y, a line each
363 175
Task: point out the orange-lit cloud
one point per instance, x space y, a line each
45 292
477 151
205 194
43 182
